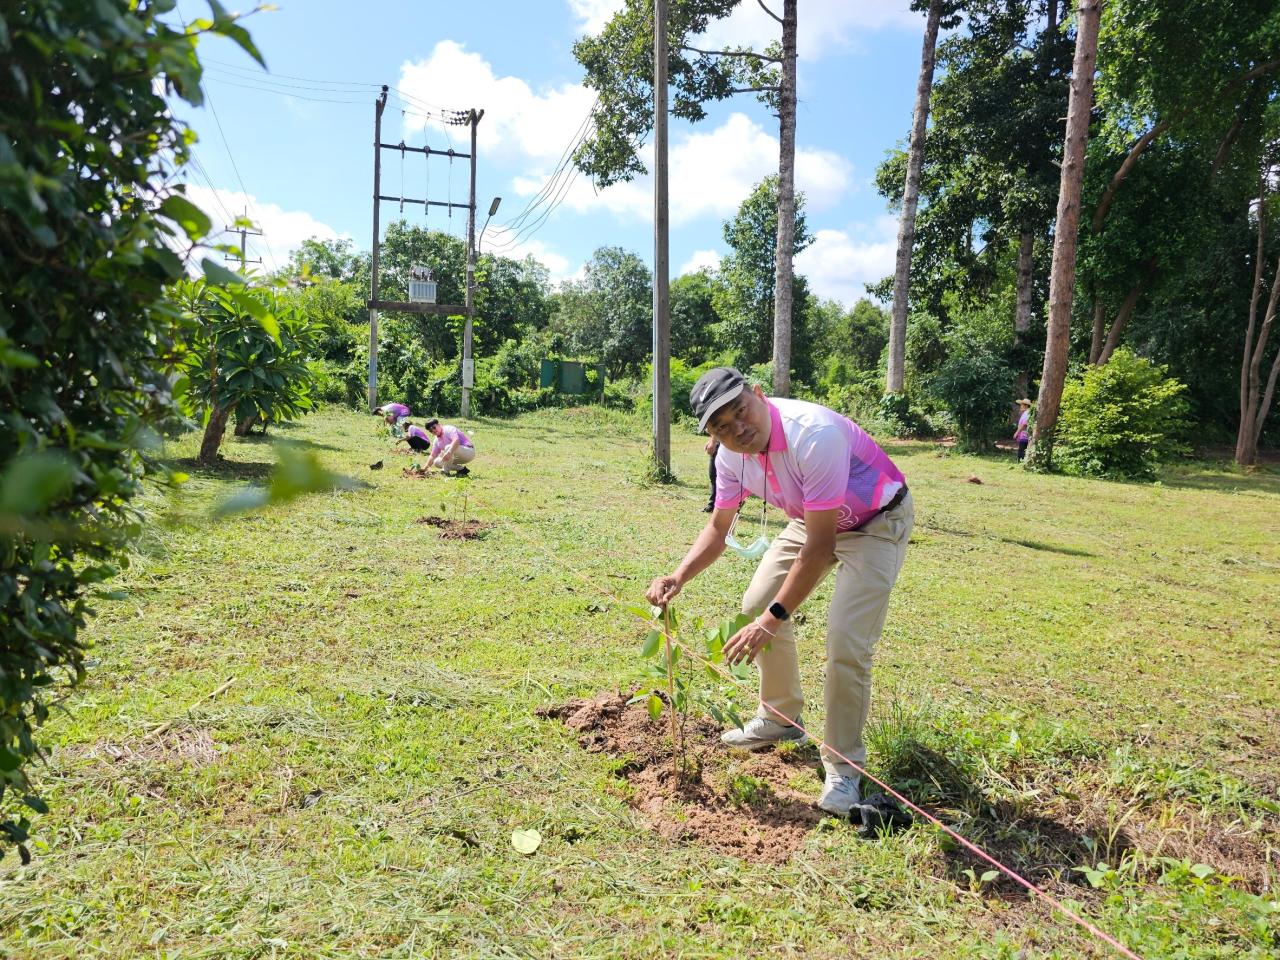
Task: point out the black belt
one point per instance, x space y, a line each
897 499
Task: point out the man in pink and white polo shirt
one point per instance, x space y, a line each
850 510
452 450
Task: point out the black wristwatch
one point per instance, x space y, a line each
779 611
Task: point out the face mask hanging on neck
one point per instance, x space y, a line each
757 548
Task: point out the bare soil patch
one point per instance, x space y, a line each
456 529
421 473
764 823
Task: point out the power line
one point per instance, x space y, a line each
553 192
227 146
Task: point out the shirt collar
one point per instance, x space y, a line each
777 437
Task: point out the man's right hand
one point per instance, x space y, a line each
663 590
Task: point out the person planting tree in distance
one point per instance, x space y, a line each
415 437
849 510
452 450
394 415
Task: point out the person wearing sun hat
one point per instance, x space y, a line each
1023 432
850 511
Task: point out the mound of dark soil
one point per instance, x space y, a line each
741 804
456 529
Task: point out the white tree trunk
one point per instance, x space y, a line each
783 307
1062 276
895 376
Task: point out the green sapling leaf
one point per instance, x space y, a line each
654 706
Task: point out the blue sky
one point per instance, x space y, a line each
293 144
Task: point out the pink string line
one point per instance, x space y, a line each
967 844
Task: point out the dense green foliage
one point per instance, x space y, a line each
744 298
1121 419
234 365
88 234
975 386
1166 243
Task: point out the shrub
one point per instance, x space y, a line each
87 234
328 382
898 416
976 387
519 363
1120 419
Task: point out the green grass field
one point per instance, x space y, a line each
1073 672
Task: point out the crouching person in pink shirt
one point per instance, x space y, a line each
452 450
850 511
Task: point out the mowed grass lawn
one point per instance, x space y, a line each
1073 672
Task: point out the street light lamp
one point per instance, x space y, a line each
493 208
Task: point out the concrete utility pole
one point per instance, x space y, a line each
468 364
661 252
376 304
245 233
373 280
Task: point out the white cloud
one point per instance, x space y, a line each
592 15
282 230
839 264
822 25
701 260
517 120
711 173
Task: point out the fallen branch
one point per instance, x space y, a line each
164 727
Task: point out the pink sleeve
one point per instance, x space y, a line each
729 491
824 459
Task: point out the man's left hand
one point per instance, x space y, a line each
746 643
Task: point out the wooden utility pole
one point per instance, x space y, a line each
1062 276
245 233
661 252
468 364
895 378
373 280
784 249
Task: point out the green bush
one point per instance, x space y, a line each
976 387
1120 420
898 416
328 382
87 234
519 363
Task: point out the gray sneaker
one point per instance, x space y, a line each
839 794
761 732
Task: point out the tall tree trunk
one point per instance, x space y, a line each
1123 314
1099 329
1022 315
1062 276
896 375
213 431
1053 14
1246 453
1023 312
784 252
1257 399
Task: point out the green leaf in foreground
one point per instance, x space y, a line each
295 475
526 841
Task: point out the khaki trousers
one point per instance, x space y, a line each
867 562
460 457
